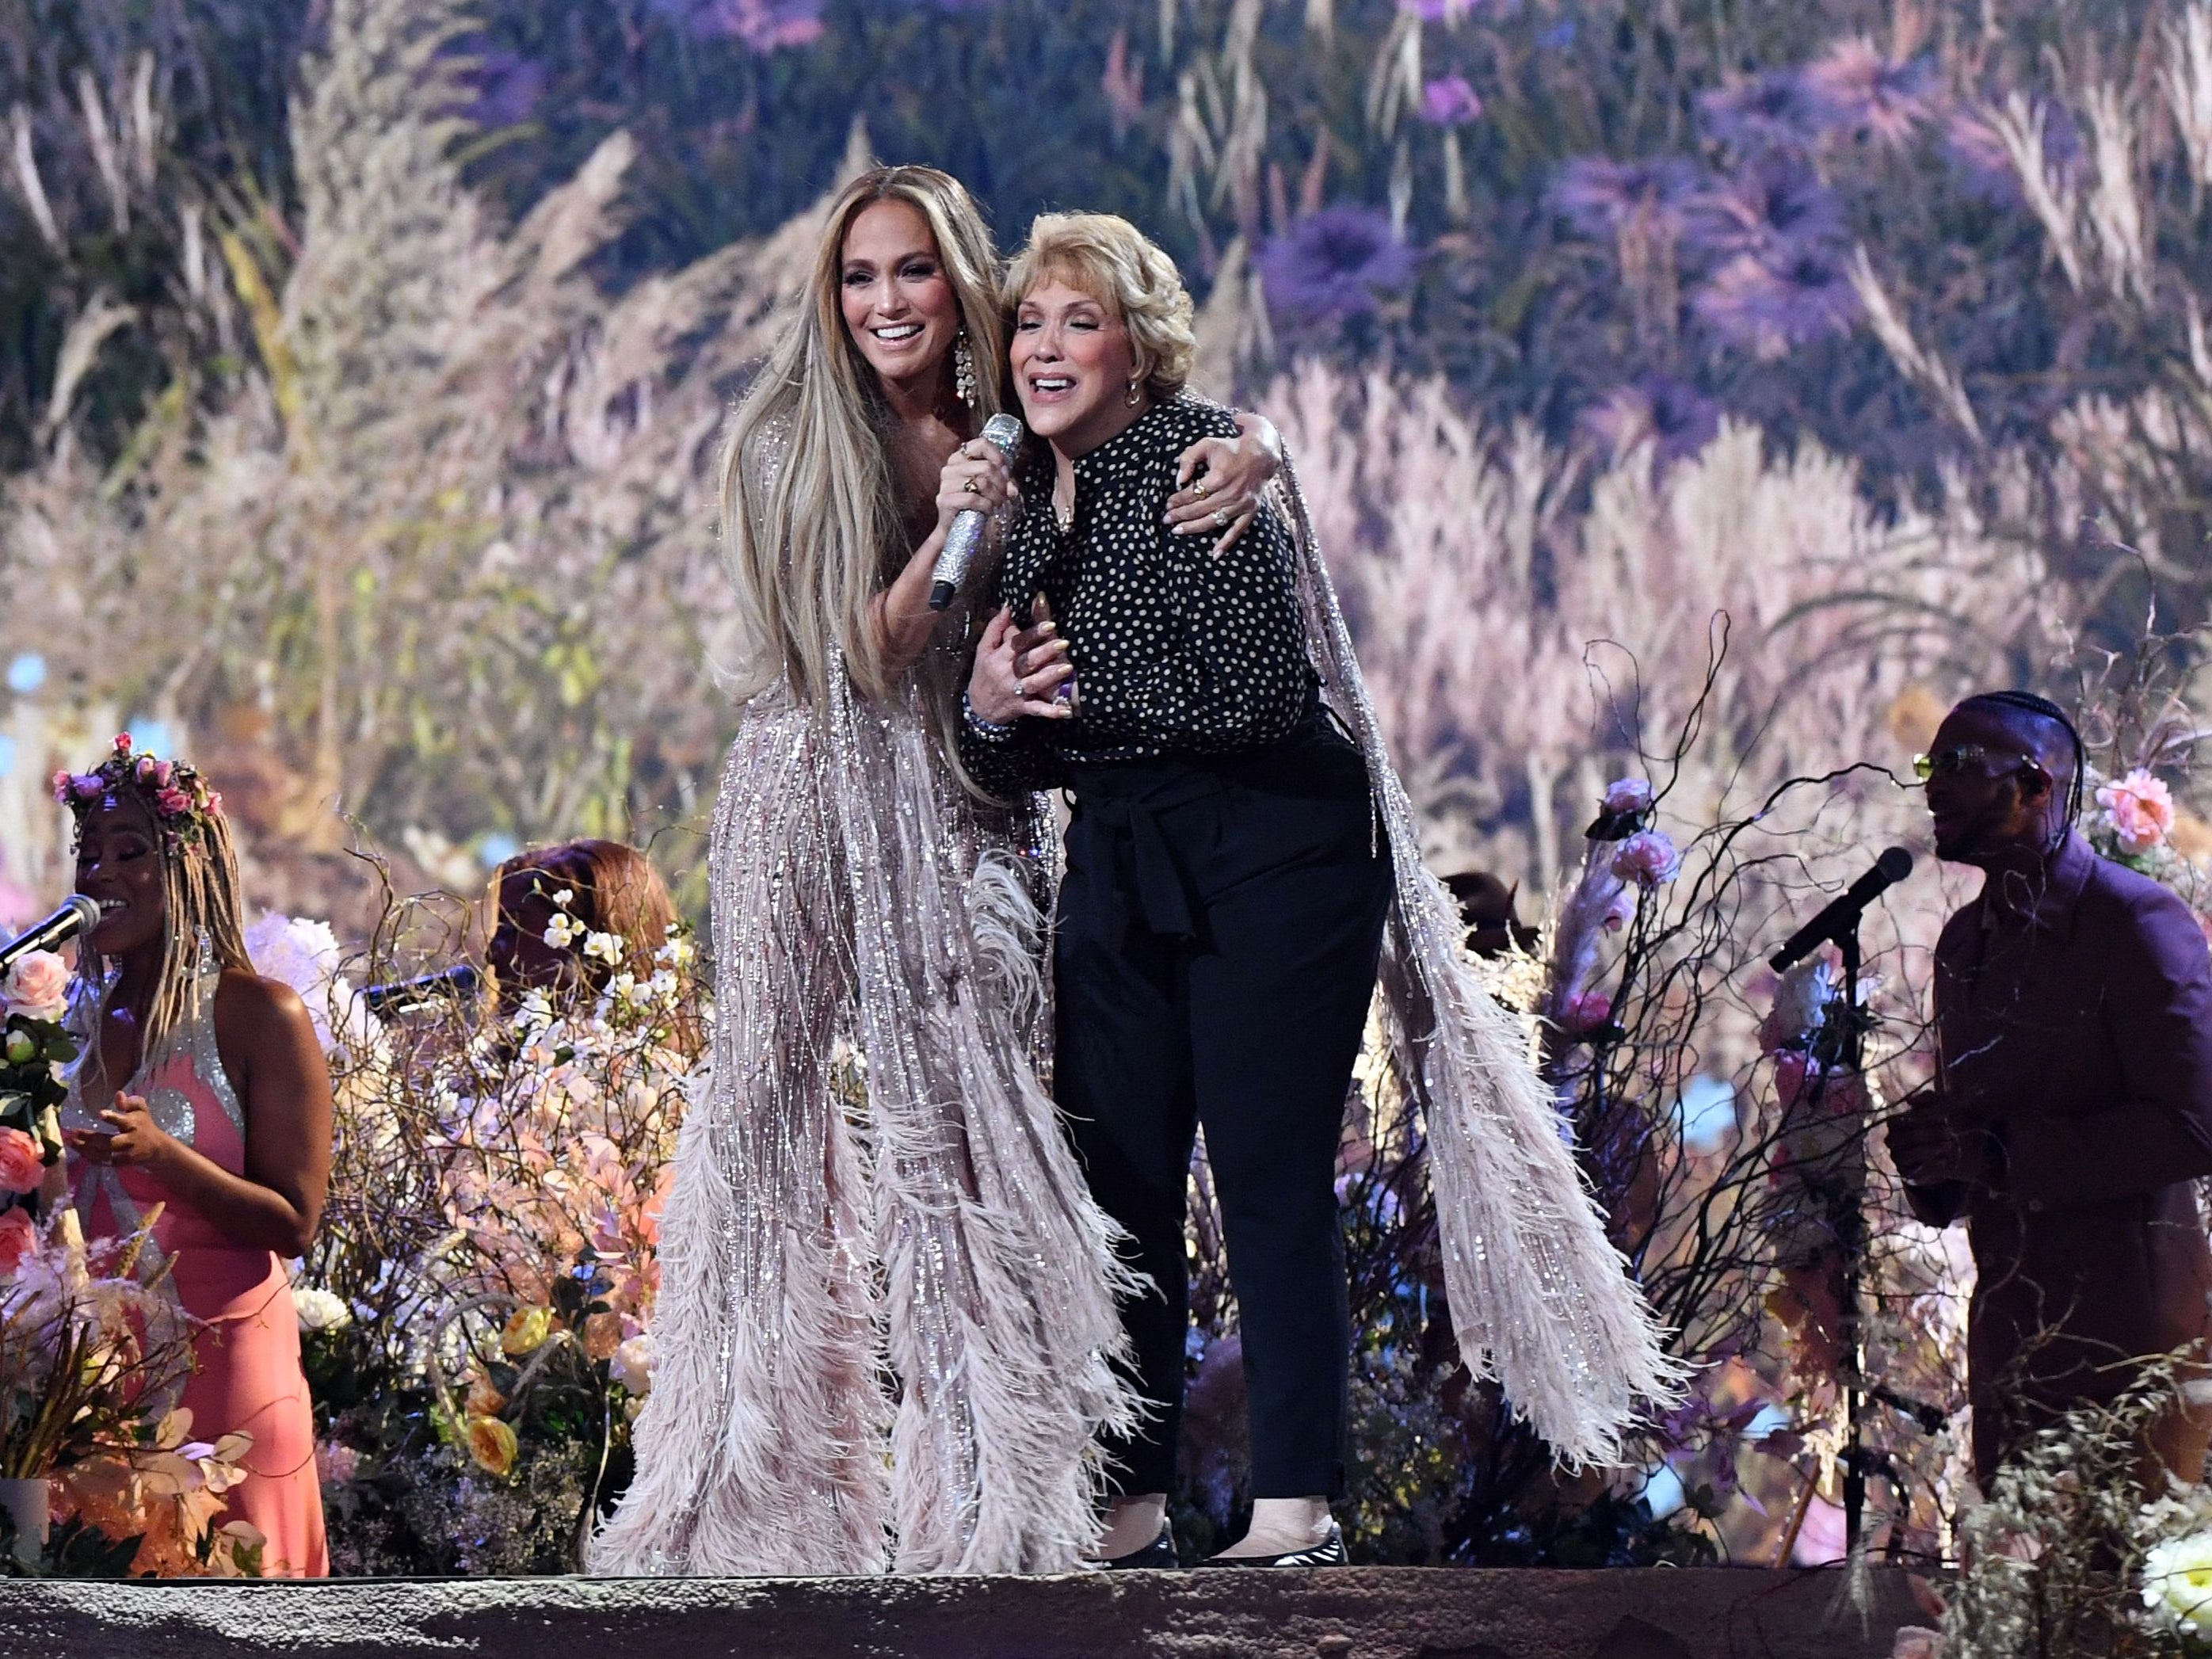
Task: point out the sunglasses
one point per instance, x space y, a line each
1949 762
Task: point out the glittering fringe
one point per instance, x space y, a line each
760 1447
853 882
1001 1268
1539 1299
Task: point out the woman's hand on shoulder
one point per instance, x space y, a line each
1018 670
1222 480
976 475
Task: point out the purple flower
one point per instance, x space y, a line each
1871 93
1335 263
1628 795
1598 196
1449 102
1770 304
1773 201
1437 11
508 87
1778 107
1985 166
762 25
1674 416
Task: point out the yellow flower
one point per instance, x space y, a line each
527 1331
493 1445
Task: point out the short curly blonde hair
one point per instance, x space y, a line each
1118 265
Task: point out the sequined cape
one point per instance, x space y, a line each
1541 1299
885 1334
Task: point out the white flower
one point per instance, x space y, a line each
2177 1583
632 1364
565 897
562 930
320 1310
677 953
607 947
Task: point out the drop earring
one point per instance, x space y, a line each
963 370
1131 397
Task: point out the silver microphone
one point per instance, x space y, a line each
1004 434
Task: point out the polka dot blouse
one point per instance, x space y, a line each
1177 649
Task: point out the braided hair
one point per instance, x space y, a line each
2028 703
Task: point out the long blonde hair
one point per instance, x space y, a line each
811 543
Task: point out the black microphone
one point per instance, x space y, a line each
1004 434
407 996
1843 912
78 914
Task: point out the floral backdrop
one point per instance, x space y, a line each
1692 398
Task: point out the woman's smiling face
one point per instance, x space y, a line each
898 304
1073 364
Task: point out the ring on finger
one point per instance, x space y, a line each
973 488
1221 518
1199 488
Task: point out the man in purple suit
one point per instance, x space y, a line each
2071 1113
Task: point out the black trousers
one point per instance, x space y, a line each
1214 955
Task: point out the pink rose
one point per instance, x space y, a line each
1627 795
2140 808
122 742
173 803
38 985
145 767
163 773
19 1236
1647 858
214 800
22 1167
62 783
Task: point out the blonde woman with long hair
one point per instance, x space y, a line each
885 1332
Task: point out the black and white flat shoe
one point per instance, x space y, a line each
1329 1553
1160 1552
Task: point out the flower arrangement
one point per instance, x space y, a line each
34 1047
475 1320
92 1360
182 803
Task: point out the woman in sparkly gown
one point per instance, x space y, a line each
886 1329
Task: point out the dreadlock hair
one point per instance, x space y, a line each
199 887
2028 703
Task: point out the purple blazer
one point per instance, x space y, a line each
2073 1023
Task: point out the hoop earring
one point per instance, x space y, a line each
963 370
1132 397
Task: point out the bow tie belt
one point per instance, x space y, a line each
1118 852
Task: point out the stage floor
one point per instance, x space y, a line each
1359 1613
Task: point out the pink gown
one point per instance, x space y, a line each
247 1378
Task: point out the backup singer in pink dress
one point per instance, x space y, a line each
225 1121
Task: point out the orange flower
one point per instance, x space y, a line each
602 1336
485 1400
493 1445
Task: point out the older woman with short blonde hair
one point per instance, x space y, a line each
1216 945
1239 849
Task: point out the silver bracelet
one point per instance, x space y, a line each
979 728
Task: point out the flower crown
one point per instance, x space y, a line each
178 796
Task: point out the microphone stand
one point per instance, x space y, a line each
1843 1054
